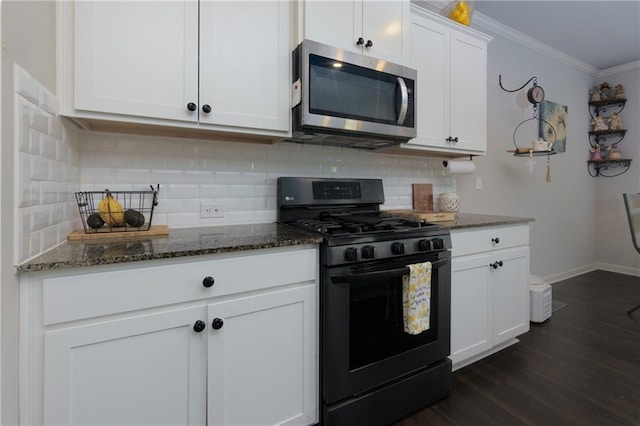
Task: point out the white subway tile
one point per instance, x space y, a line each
230 203
182 220
202 176
48 238
149 161
241 191
22 136
182 191
34 244
214 191
132 176
39 121
40 218
227 177
48 193
39 168
56 129
265 216
240 217
48 101
166 176
23 222
25 85
97 175
172 206
49 147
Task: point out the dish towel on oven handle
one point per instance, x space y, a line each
416 298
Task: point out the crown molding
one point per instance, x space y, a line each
487 24
620 68
484 23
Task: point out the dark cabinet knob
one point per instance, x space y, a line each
208 282
360 41
217 323
495 240
191 106
495 265
369 44
206 108
198 326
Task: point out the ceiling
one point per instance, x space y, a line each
603 34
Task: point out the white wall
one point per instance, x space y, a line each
28 39
613 239
563 209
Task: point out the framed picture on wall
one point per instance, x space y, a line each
555 115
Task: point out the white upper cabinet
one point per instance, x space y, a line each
375 28
213 65
136 58
451 61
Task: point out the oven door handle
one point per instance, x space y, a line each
380 275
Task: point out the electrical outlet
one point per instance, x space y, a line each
478 183
211 210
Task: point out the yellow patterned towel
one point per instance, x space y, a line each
416 298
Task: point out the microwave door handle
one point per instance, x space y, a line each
404 103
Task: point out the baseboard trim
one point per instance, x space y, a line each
619 269
554 278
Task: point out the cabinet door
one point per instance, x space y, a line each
386 24
262 361
245 64
471 306
468 91
136 58
430 57
144 370
510 294
336 23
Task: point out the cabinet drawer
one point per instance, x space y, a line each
116 290
478 240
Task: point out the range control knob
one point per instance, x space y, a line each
351 254
397 248
424 245
438 244
368 252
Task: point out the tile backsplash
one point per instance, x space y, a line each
239 177
47 170
54 160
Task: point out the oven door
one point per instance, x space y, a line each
363 340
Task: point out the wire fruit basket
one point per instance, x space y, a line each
116 211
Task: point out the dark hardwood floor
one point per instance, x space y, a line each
580 367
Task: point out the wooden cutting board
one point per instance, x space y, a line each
422 196
429 216
153 231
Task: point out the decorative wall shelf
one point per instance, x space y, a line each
606 140
600 167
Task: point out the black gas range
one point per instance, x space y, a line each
372 372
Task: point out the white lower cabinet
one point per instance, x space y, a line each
145 369
216 356
489 290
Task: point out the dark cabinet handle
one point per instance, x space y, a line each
495 240
495 265
452 139
369 44
198 326
208 282
206 108
192 107
360 41
217 323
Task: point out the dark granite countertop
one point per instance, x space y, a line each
183 242
473 220
180 242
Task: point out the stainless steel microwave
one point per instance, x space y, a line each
344 98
